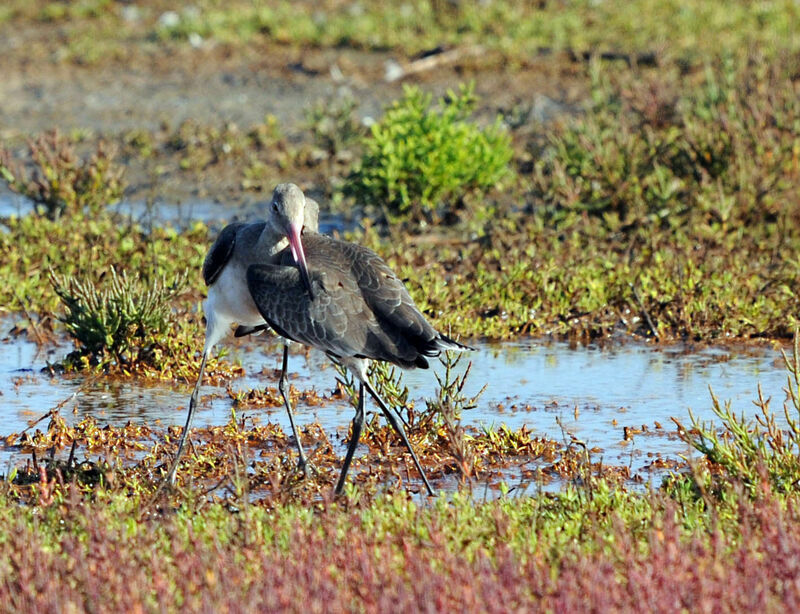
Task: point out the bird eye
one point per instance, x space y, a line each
275 207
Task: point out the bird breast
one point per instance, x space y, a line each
229 299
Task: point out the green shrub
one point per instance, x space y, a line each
120 323
60 181
420 161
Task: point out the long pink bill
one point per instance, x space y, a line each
299 256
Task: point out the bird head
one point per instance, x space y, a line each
286 216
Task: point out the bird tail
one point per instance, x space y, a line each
433 347
444 343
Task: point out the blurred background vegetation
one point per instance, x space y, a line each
687 32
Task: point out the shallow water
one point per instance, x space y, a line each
592 392
180 215
13 204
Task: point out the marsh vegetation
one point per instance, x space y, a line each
656 198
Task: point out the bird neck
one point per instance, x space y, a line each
271 241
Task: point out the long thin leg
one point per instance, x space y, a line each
184 436
302 463
397 424
358 423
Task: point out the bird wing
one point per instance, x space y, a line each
360 307
220 253
332 321
388 298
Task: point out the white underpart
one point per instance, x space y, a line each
228 303
357 366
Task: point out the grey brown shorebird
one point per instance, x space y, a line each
343 299
229 302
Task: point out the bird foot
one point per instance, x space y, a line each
306 468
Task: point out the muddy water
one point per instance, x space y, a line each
176 214
591 393
213 213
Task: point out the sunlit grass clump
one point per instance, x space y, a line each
126 325
709 156
763 453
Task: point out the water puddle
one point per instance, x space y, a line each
183 215
179 215
13 204
590 393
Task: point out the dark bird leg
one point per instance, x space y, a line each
358 423
397 424
302 463
185 435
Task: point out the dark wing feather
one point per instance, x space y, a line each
395 329
395 311
324 323
386 294
363 309
220 253
393 306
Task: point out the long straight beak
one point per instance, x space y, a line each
299 256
